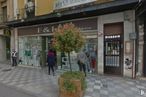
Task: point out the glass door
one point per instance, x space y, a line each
112 54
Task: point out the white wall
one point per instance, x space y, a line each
129 26
2 49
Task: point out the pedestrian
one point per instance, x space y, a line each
81 56
93 60
88 62
14 58
51 61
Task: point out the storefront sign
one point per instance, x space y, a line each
27 31
84 25
59 4
47 29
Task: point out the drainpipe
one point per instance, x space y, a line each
133 62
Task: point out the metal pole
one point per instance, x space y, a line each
133 60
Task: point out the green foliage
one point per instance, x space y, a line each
69 86
73 75
68 38
76 75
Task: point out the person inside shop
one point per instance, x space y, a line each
14 57
88 62
81 56
93 60
51 61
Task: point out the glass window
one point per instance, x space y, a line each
29 50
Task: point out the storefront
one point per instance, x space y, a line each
107 42
141 39
115 48
109 30
4 44
35 41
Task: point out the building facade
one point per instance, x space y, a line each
141 39
4 31
108 25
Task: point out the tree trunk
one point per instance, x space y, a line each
69 61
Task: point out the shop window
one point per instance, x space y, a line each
90 49
29 50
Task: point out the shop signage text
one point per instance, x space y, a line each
59 4
47 29
84 25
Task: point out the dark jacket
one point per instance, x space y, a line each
51 58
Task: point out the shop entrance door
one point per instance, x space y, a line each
46 45
113 49
8 54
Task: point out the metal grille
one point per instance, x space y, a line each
112 51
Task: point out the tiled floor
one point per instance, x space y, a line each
38 82
107 86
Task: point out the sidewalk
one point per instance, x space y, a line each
31 80
37 81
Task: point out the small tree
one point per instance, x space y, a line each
68 38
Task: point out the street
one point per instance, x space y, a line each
6 91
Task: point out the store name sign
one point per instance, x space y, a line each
84 25
59 4
49 29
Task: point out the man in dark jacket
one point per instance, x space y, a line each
51 61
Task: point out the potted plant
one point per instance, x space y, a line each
68 38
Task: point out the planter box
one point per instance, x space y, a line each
65 93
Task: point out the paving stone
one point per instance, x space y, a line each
95 95
140 87
102 95
90 89
97 87
104 92
37 81
87 96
